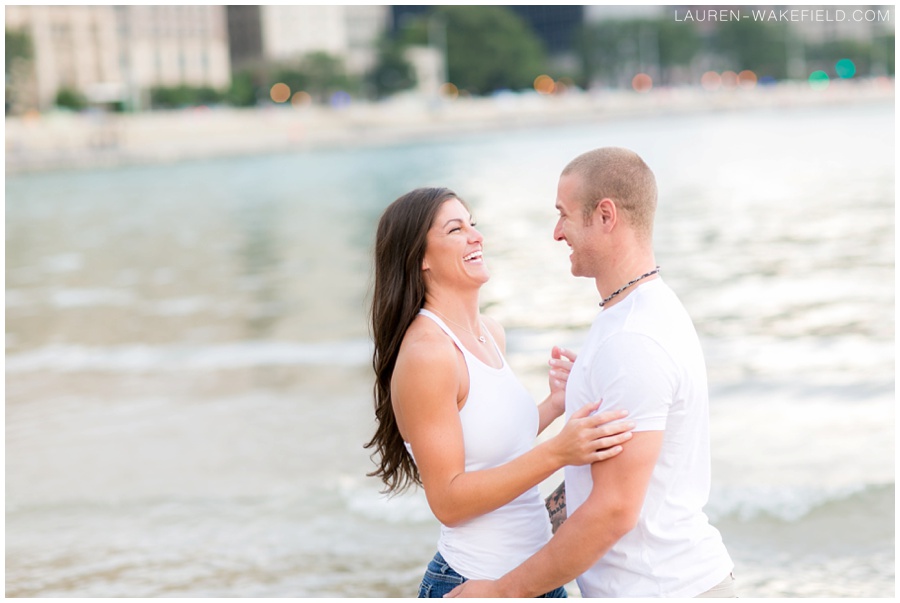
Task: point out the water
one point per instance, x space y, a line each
187 358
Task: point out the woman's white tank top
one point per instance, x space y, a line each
499 423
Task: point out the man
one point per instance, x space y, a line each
636 527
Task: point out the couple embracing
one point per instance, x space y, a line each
453 418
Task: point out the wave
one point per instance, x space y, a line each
98 298
745 507
139 358
793 504
365 500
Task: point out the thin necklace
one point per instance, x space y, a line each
617 291
480 338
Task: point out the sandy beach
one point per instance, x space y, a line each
61 140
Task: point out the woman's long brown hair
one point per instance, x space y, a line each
399 293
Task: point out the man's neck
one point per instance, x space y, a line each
623 272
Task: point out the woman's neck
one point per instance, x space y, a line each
458 308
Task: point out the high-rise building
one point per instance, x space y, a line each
169 45
117 53
73 47
245 45
284 33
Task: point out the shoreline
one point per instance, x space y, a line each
65 141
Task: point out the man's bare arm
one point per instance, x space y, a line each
556 506
610 511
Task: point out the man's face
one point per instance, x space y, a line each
571 228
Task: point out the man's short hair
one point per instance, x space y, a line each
622 176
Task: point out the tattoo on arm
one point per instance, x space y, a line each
556 506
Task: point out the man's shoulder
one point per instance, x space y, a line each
635 351
656 298
660 315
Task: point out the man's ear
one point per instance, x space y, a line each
605 212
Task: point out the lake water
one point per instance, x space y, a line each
187 359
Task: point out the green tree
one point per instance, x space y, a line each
488 48
824 56
319 74
758 46
18 47
327 75
601 48
883 52
19 69
69 98
392 72
614 51
243 91
679 44
170 97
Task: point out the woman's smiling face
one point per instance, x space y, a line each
454 248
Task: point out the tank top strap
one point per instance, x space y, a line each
460 345
444 328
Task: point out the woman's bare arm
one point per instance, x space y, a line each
425 392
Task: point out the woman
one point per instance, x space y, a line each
451 415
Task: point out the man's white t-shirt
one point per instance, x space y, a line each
643 354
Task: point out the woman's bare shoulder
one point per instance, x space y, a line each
426 376
426 347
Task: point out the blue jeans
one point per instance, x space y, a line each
440 579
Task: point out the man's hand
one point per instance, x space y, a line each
476 588
561 361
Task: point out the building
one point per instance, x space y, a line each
604 12
172 45
285 33
117 53
365 26
74 47
245 43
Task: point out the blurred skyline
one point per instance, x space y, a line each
134 58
